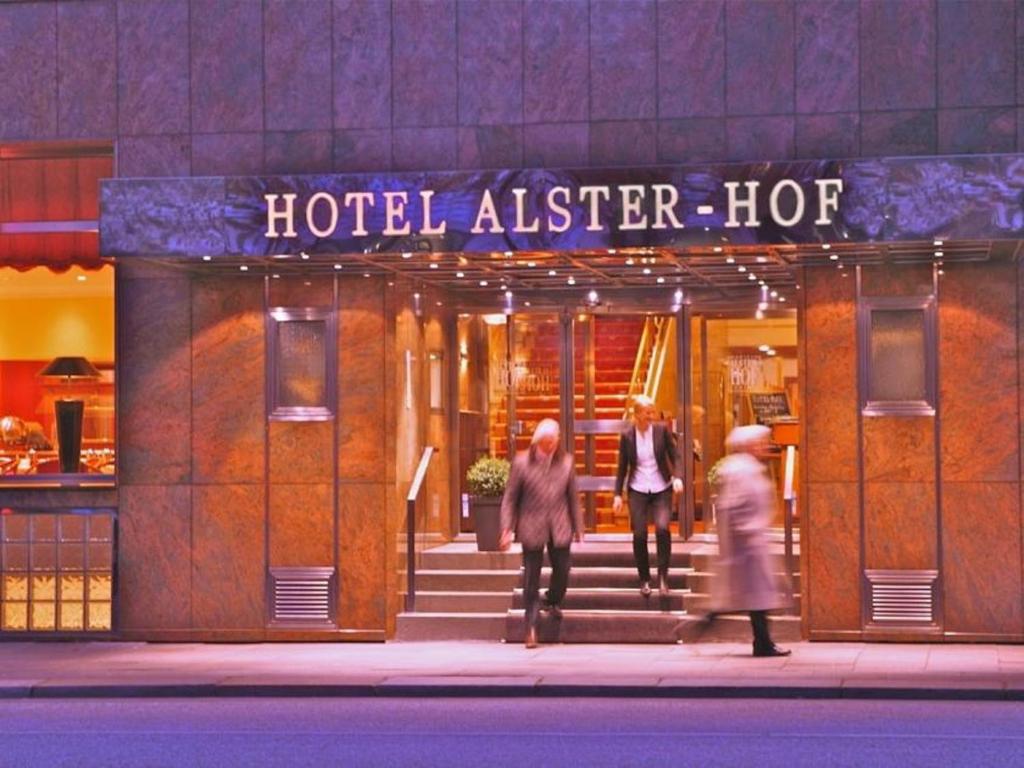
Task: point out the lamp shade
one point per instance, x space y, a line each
70 367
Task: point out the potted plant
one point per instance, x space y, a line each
486 481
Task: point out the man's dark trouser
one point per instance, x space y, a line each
533 559
759 624
658 507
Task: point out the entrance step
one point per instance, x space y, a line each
612 599
450 626
462 602
640 627
623 578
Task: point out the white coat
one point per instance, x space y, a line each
744 576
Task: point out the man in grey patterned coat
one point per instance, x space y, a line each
541 508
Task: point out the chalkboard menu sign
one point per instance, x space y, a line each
769 406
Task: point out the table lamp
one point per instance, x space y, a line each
68 411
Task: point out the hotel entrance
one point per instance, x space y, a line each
585 366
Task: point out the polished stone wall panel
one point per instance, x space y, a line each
301 525
167 155
297 65
86 69
153 67
897 54
701 138
900 526
981 556
963 131
424 46
362 151
759 56
976 53
224 154
424 149
760 137
228 371
301 291
300 451
827 56
361 364
154 559
889 134
228 557
691 59
361 64
978 386
28 61
226 66
899 449
298 151
154 381
622 60
491 146
362 555
833 561
833 135
490 65
632 141
556 55
566 145
830 376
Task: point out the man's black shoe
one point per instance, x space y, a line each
772 651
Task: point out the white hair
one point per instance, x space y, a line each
746 435
546 428
642 401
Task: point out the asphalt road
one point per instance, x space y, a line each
525 733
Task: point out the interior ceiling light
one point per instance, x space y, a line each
337 266
483 283
629 262
305 256
647 270
937 243
552 272
244 268
730 260
763 348
366 274
571 281
433 266
741 268
825 246
751 276
508 254
460 274
938 254
770 353
834 257
406 255
531 264
775 294
762 259
276 276
612 251
508 294
783 298
717 249
207 258
592 297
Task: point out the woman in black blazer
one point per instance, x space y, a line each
647 468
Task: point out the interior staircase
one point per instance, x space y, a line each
466 594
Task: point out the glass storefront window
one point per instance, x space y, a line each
56 373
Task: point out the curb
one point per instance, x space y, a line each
455 689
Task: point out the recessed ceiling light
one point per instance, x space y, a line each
305 256
592 296
276 276
552 272
825 246
612 251
483 283
834 257
460 274
717 249
647 270
661 279
741 268
938 254
337 266
783 298
438 303
762 259
433 266
630 262
366 274
774 294
244 268
207 258
571 281
937 243
531 264
82 278
526 303
751 277
508 294
763 348
730 260
508 254
406 255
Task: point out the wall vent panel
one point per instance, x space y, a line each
902 598
302 597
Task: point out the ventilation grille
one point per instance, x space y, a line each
902 597
302 596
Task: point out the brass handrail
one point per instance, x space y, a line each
410 527
634 378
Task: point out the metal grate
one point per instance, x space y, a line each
902 597
302 596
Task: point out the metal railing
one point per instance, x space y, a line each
789 512
410 527
652 351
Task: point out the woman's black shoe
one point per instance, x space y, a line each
771 651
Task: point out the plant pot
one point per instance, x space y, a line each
486 511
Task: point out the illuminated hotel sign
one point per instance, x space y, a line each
536 209
637 207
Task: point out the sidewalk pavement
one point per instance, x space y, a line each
474 668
